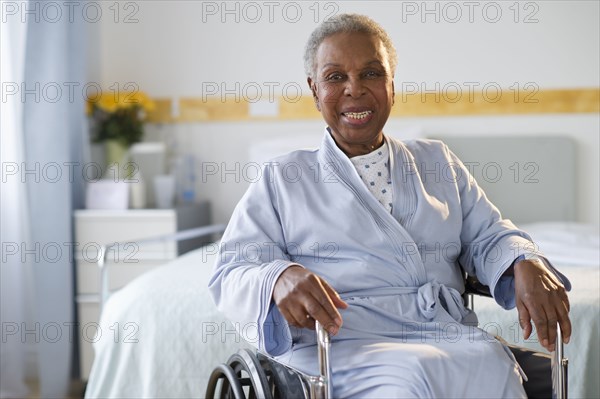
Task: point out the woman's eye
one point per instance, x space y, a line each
334 77
372 74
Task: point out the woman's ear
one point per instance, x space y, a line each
393 93
313 90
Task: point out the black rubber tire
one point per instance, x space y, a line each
231 382
246 360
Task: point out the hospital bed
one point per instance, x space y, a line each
180 337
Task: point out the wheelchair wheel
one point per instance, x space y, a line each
230 384
283 382
242 377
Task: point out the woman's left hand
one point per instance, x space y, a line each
542 298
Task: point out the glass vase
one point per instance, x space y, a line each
116 155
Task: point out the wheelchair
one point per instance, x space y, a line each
252 374
255 375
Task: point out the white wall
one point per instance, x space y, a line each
177 46
171 51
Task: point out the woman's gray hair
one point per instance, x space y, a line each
346 23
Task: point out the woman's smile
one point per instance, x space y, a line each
354 90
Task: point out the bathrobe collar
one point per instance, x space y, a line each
403 204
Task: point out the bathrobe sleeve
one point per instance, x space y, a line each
489 243
252 256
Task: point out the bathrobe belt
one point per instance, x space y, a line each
430 297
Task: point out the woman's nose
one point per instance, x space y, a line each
354 87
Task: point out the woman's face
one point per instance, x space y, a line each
354 90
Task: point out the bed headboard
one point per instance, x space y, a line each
529 178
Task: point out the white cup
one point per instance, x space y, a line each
164 191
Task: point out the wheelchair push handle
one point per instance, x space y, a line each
323 346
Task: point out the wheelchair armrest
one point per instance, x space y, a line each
474 287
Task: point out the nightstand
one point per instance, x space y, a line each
94 228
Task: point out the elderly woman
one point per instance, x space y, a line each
354 235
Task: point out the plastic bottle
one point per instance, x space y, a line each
137 192
187 179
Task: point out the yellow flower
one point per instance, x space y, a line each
119 115
89 107
123 100
107 102
140 98
110 102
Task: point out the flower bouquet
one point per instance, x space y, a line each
117 121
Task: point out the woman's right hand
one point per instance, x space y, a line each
303 297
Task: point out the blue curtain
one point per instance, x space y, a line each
54 140
14 223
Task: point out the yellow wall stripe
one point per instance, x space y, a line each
407 105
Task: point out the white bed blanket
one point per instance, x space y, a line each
170 338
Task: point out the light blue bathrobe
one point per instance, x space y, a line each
406 332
